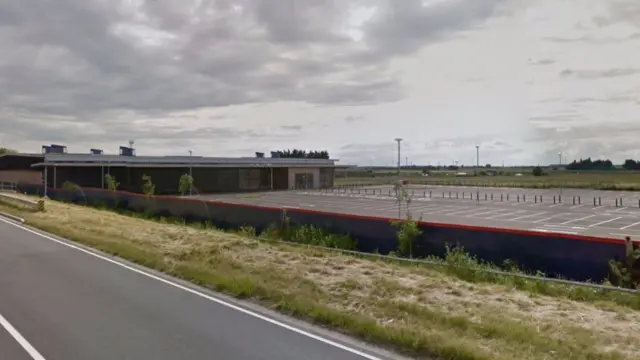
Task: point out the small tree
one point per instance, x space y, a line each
407 233
148 188
626 274
185 183
112 184
537 171
402 198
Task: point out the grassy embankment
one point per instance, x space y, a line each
422 310
618 180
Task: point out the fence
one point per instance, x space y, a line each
575 257
8 185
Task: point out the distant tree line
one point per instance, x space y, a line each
588 164
5 151
631 164
300 154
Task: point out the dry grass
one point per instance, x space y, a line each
414 309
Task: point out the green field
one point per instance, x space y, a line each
610 180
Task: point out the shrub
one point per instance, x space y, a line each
112 184
185 183
626 274
148 187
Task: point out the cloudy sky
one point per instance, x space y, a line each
524 79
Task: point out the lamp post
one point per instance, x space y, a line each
398 140
190 173
478 170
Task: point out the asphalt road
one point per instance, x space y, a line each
69 304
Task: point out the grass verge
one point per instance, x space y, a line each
418 310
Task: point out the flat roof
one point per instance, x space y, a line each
88 160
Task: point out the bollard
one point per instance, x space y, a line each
541 199
449 194
579 200
463 194
518 198
500 197
594 201
554 199
429 193
485 197
443 194
560 199
389 192
574 200
491 196
524 197
456 195
621 202
599 201
535 199
507 197
616 202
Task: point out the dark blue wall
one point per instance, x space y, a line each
574 257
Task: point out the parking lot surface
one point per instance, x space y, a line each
573 212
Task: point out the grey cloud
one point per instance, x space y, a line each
352 118
542 62
91 61
598 74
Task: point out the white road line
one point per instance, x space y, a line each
200 294
526 216
628 226
606 221
35 355
622 208
582 218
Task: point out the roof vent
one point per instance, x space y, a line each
54 149
96 151
127 151
259 154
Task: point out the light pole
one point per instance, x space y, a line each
190 173
560 158
478 171
399 164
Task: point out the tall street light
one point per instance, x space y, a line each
399 164
190 173
478 171
560 158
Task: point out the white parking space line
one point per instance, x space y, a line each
577 206
606 221
549 218
628 226
507 214
467 210
489 212
578 219
531 215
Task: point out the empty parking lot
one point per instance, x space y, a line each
583 218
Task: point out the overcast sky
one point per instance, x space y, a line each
524 79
